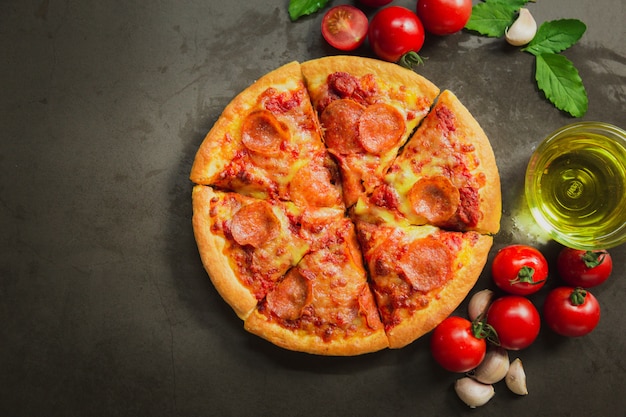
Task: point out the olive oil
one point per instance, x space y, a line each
576 188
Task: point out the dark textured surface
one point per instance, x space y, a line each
105 308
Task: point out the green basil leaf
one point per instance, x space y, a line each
299 8
559 80
556 36
491 19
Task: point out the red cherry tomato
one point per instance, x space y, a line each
395 31
375 3
585 269
571 311
516 321
519 269
344 27
455 346
444 17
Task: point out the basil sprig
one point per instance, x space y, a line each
555 75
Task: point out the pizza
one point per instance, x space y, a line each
344 205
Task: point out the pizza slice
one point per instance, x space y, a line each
419 274
266 144
323 305
445 176
246 244
367 109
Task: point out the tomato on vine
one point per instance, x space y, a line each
580 268
444 17
396 32
571 311
459 345
519 269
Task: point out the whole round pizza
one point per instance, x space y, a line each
344 205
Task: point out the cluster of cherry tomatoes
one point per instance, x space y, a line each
393 31
512 321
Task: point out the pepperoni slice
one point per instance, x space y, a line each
254 224
427 264
341 124
434 198
290 296
312 185
381 127
263 133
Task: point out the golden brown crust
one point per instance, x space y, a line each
423 321
315 73
211 248
301 341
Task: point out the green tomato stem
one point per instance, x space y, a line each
483 330
593 259
525 274
410 60
577 297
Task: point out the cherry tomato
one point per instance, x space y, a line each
516 321
444 17
455 345
344 27
375 3
519 269
571 311
585 269
395 31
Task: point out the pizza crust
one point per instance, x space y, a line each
261 325
212 253
315 73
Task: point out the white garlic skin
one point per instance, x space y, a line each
516 378
523 30
472 392
479 303
494 367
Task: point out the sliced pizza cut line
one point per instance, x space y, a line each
367 109
246 244
324 304
445 176
266 140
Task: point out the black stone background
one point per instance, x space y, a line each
105 309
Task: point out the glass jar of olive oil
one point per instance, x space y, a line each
576 185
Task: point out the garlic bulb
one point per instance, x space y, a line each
472 392
479 303
494 367
516 378
523 30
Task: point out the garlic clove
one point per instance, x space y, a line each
494 366
523 30
516 378
479 303
472 392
